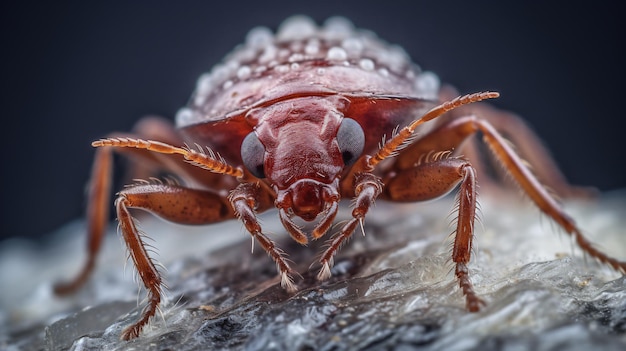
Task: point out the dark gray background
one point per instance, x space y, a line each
74 71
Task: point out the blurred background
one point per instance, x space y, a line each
74 71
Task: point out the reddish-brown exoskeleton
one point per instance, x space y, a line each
300 120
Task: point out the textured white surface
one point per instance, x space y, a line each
393 287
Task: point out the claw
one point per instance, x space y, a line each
324 272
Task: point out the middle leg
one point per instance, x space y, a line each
434 178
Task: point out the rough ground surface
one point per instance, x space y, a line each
391 289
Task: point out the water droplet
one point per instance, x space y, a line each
353 46
259 37
199 99
185 116
338 27
296 28
219 73
395 58
366 64
427 83
244 72
242 54
296 46
269 54
282 69
296 57
336 54
312 47
410 74
204 84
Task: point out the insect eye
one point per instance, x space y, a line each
351 140
253 155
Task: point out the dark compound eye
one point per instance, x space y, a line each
351 140
253 155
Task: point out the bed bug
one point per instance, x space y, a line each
297 121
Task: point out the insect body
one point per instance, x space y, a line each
300 120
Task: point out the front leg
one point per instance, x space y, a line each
434 178
367 188
245 199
